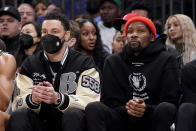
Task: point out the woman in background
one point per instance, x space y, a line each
118 42
181 34
40 7
29 41
90 42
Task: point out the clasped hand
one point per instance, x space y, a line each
136 107
44 92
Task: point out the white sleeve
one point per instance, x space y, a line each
88 90
22 97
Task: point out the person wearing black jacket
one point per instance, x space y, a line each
140 84
54 86
187 110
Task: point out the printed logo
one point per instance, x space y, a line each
90 83
37 78
138 81
19 103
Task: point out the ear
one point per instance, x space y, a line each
152 39
67 35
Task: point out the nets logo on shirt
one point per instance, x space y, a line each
138 81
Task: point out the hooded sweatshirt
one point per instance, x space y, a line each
152 76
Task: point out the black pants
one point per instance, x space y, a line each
99 117
186 117
73 119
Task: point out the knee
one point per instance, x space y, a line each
95 108
165 110
73 113
19 114
187 110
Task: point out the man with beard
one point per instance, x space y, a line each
54 86
140 84
109 9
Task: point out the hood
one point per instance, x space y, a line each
147 55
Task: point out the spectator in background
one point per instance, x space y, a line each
82 16
140 8
74 33
27 13
93 10
10 28
119 23
90 42
29 41
118 42
181 33
54 8
7 76
40 7
109 10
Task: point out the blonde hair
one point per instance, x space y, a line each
189 35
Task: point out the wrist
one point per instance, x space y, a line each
58 99
33 100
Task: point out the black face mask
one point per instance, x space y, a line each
26 41
51 43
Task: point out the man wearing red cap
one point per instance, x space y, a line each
140 84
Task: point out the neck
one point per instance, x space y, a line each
56 57
89 53
31 50
109 25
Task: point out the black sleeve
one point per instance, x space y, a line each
170 84
189 83
112 94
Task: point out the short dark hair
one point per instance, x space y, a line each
45 2
58 16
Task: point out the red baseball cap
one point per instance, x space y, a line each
119 21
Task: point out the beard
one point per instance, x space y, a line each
135 49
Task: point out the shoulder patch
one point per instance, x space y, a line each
90 83
19 103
